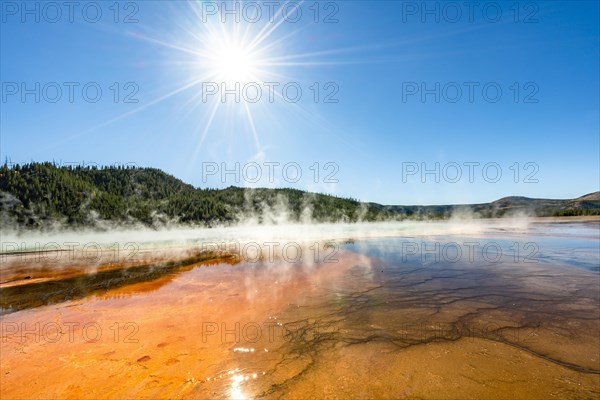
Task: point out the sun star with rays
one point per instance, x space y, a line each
221 59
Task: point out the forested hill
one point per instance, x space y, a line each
40 195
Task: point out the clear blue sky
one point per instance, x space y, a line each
376 52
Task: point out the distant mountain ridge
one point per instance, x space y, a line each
41 195
588 204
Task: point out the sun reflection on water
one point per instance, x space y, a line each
235 388
235 391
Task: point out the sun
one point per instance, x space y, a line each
229 55
234 63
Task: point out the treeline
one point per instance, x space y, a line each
576 212
42 194
39 195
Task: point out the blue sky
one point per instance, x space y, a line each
543 56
